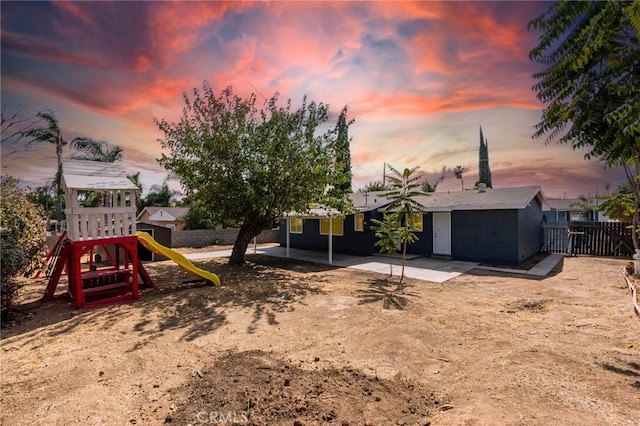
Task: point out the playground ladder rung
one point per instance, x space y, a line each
105 288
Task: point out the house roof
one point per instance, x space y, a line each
491 199
368 201
571 204
164 214
94 175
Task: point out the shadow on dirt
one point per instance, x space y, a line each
385 291
632 371
264 286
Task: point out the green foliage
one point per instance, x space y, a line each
591 83
428 187
342 166
389 235
41 197
585 204
484 171
405 188
23 237
377 185
159 196
620 205
49 132
92 150
458 171
247 165
200 216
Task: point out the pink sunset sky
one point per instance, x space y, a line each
419 78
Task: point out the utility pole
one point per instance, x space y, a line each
384 175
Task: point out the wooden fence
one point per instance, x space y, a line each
610 239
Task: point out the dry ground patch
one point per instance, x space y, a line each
288 342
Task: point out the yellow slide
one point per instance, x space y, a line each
151 244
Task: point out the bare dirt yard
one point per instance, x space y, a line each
292 343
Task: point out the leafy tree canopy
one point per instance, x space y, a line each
22 232
250 165
620 205
377 185
591 83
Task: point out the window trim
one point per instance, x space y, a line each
355 222
413 220
333 233
296 219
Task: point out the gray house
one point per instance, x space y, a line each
566 210
498 226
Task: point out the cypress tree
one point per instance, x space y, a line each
484 172
343 153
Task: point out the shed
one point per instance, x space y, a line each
161 234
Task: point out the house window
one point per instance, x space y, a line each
359 222
296 225
336 229
416 222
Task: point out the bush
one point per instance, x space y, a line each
23 237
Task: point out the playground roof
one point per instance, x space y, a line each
94 175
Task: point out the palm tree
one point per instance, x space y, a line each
388 235
458 172
50 133
405 187
92 150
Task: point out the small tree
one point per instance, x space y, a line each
22 233
458 171
377 185
406 186
620 205
428 187
587 205
388 234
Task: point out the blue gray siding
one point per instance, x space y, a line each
489 236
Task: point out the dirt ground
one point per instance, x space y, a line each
292 343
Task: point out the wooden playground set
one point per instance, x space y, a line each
99 249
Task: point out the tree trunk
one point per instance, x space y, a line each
404 257
245 235
59 185
635 186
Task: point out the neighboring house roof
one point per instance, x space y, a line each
164 214
571 204
94 175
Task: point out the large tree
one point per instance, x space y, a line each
591 82
249 166
49 132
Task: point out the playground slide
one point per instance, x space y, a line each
151 244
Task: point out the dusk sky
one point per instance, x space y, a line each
419 78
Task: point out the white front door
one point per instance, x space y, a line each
442 233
